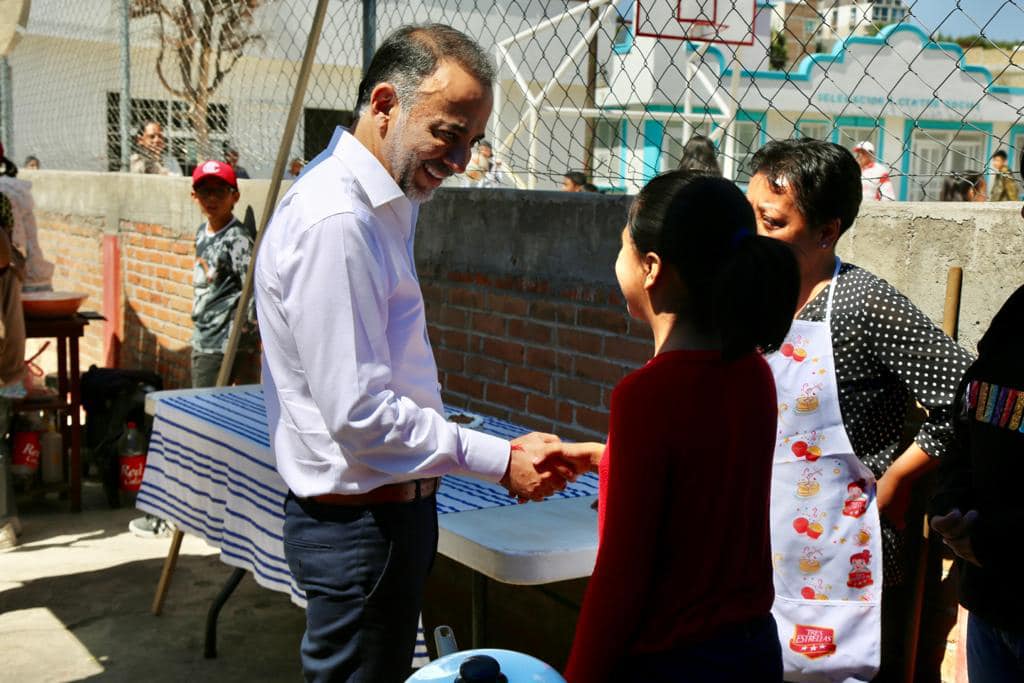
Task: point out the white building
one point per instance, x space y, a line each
860 17
941 116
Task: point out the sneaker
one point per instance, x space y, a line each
149 527
8 539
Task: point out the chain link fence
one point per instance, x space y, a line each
613 89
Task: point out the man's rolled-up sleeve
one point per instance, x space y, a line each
335 286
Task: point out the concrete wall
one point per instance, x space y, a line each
913 245
524 312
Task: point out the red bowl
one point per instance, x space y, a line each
51 304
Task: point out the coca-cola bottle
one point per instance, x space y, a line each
133 459
25 460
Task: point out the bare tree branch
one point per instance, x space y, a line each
160 62
235 56
206 39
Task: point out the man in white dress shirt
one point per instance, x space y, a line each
354 405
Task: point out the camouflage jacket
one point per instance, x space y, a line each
222 260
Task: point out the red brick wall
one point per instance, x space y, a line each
157 272
73 245
537 343
543 356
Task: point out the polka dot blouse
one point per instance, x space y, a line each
888 354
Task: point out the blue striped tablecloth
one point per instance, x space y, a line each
210 470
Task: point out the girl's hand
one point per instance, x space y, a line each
583 457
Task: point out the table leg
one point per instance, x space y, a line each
479 600
167 573
210 650
76 428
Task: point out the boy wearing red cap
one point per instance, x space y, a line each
223 251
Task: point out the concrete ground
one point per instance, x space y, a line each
75 597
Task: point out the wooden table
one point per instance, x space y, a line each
66 332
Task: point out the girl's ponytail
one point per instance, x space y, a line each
755 295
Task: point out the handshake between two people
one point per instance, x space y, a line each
541 464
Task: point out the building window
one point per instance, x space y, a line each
623 41
1017 142
748 141
318 126
672 143
849 136
609 147
172 115
934 154
814 130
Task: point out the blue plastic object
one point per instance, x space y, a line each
515 667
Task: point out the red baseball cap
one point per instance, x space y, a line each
214 169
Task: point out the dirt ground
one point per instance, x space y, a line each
75 600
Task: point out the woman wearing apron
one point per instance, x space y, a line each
857 355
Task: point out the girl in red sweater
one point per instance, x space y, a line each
682 588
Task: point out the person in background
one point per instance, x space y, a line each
573 181
691 439
483 169
874 175
31 163
699 154
294 169
12 365
963 187
231 157
977 509
223 252
1004 187
859 354
23 234
591 187
479 164
150 152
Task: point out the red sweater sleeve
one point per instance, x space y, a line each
633 489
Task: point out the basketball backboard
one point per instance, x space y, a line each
729 22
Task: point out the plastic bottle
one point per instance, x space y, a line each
51 447
25 459
133 459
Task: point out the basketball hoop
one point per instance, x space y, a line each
706 21
701 12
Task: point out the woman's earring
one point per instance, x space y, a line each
823 244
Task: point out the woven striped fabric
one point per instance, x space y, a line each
210 470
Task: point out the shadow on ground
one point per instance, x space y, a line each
75 598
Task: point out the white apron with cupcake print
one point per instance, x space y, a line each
826 537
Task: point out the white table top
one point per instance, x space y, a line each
527 544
